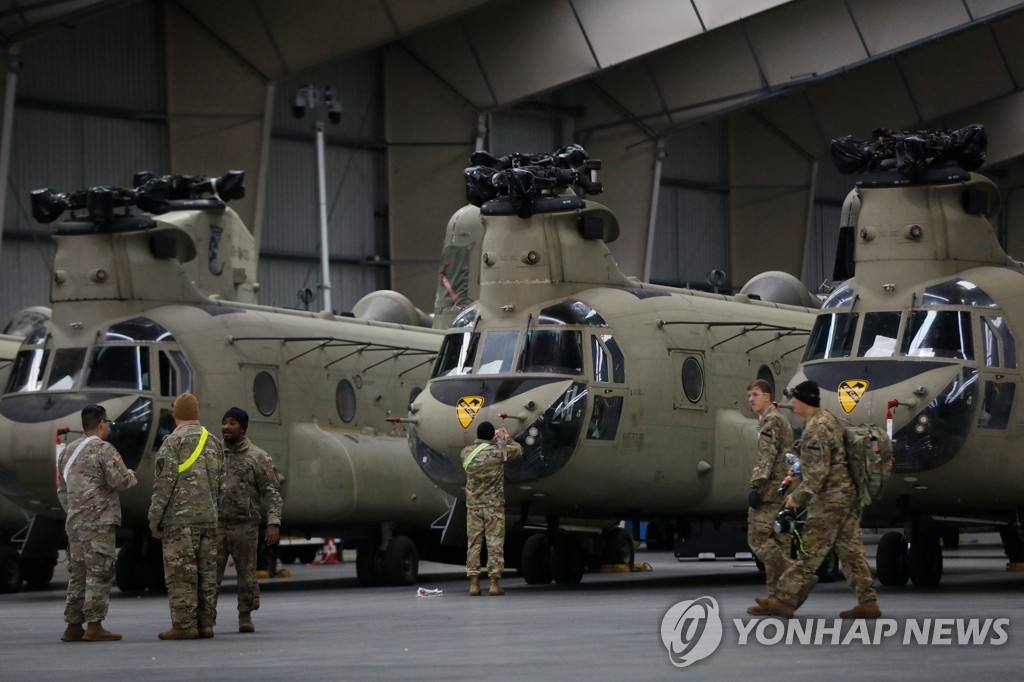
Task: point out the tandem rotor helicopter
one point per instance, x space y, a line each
627 397
152 295
923 328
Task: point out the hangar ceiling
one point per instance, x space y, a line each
663 64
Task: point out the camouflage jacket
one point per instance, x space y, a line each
188 497
825 477
774 436
87 483
252 488
485 472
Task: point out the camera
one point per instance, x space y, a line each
784 522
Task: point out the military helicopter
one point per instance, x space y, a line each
921 333
625 396
152 295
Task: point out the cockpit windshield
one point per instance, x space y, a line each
552 351
938 334
120 367
458 352
832 336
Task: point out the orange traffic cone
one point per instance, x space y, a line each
328 554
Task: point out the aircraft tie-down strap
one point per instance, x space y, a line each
74 456
472 455
184 466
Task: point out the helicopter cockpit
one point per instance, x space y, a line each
134 356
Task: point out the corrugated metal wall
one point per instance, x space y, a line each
354 175
84 117
692 232
522 132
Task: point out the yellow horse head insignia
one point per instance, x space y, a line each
467 407
850 393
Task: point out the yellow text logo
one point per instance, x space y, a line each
850 393
467 407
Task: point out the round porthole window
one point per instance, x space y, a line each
264 393
693 380
765 373
345 400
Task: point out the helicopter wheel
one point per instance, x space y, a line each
567 560
535 561
618 547
401 561
891 559
924 559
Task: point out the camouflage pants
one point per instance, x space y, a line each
771 549
190 573
489 522
833 524
91 557
239 540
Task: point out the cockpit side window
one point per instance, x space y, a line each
832 336
67 368
878 335
995 334
175 373
938 334
121 366
458 352
27 372
608 359
499 352
552 351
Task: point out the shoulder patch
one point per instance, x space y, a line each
116 457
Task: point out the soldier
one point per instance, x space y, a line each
833 512
183 512
89 474
484 462
774 436
251 488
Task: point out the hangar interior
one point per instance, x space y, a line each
712 119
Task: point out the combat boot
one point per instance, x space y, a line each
206 632
245 622
868 609
283 573
180 633
73 633
474 586
758 610
262 575
96 633
777 607
495 590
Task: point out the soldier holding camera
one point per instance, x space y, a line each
833 512
774 435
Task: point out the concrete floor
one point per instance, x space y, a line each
319 624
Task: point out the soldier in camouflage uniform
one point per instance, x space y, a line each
251 489
774 436
183 511
484 462
833 511
89 474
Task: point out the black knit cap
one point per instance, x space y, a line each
239 415
806 392
485 431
